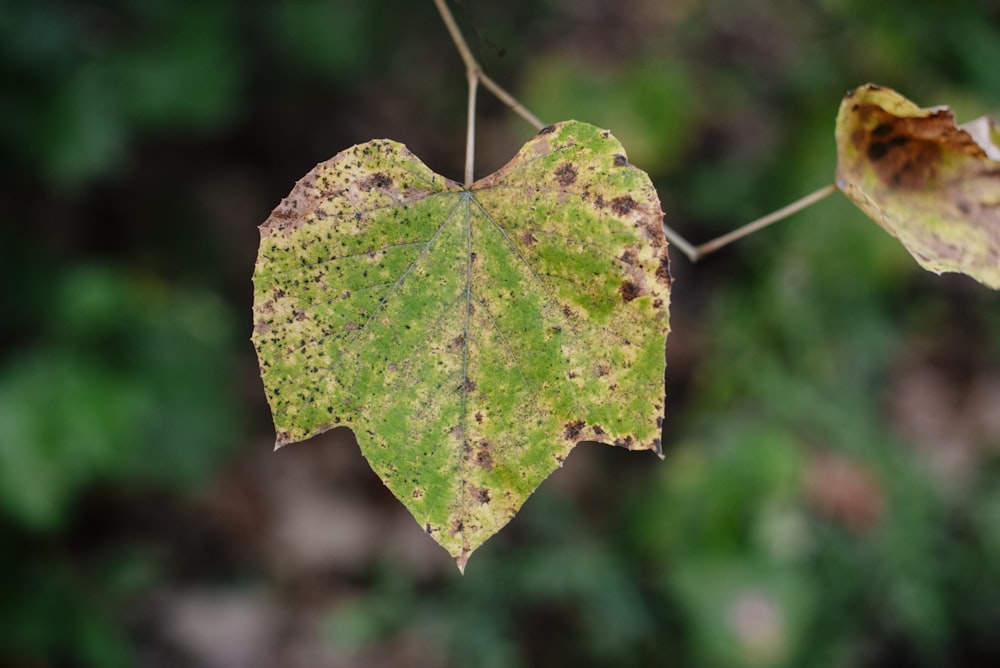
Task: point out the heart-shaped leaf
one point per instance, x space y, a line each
470 337
934 186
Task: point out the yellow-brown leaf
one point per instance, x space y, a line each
931 184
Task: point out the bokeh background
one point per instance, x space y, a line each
831 490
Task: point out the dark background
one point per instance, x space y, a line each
831 491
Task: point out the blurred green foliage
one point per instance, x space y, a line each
127 382
798 519
83 81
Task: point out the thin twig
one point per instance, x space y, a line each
473 68
508 99
782 213
470 136
456 36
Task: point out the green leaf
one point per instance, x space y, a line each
932 185
470 337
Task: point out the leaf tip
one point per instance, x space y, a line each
282 439
461 560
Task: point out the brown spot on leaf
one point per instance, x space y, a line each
573 429
651 223
628 290
629 256
300 315
566 174
417 493
528 238
602 369
288 214
622 205
352 327
906 152
598 430
456 527
482 457
262 327
378 180
480 494
663 271
484 460
620 160
877 150
456 344
883 129
479 417
548 129
469 385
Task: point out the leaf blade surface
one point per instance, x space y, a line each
470 338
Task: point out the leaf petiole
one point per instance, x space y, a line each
470 136
475 75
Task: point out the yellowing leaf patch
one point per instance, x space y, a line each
470 337
931 184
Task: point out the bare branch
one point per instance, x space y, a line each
509 100
759 224
473 68
456 36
